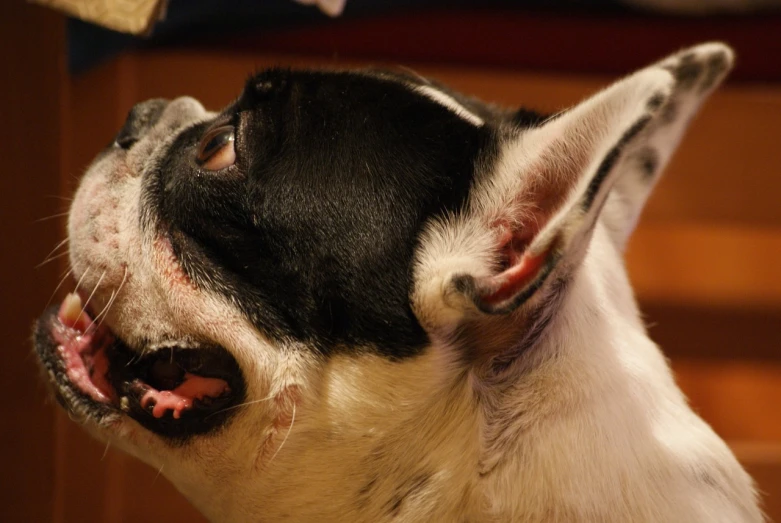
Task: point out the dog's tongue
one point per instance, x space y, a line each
193 388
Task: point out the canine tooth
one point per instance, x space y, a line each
70 309
124 403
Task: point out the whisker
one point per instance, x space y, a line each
114 295
239 405
51 259
292 420
59 197
67 274
105 451
84 308
78 283
103 311
53 216
159 471
56 248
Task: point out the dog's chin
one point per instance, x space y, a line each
175 390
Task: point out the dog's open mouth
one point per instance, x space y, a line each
177 390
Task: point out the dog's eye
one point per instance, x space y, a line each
216 150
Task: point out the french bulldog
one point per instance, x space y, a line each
360 296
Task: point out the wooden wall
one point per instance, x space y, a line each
31 85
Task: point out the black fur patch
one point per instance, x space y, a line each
717 65
656 101
312 233
687 71
670 112
610 160
648 160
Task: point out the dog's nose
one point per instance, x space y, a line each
139 120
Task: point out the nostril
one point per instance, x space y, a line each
128 135
124 141
139 120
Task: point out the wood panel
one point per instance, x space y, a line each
582 41
31 53
738 398
714 333
706 265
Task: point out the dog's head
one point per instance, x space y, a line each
299 305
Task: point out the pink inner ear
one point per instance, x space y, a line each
519 268
511 281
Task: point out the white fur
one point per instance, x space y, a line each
586 425
451 103
608 435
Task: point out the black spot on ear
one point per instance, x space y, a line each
717 65
610 160
526 118
648 159
670 112
465 284
687 71
656 101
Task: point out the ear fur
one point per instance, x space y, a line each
530 220
697 72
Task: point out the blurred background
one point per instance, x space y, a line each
704 261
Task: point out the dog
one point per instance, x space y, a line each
360 296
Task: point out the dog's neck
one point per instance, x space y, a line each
546 418
478 435
570 360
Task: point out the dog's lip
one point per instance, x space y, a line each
82 345
96 375
59 348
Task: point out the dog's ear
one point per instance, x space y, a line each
530 219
